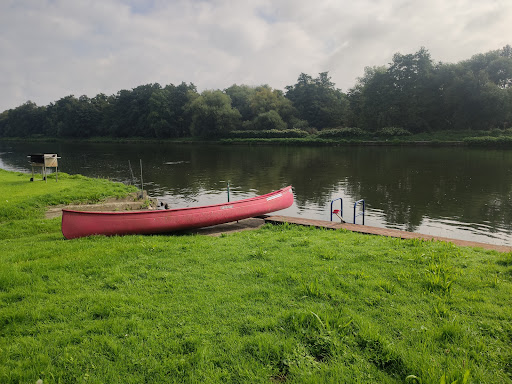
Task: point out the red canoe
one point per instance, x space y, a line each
79 224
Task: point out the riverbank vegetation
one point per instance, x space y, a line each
412 95
279 304
499 138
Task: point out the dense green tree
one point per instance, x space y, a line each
179 97
130 112
268 120
265 99
160 114
152 111
416 94
474 92
500 71
5 127
318 101
370 100
212 114
64 118
508 119
412 92
241 100
401 95
119 115
253 101
102 105
89 116
25 120
496 64
474 102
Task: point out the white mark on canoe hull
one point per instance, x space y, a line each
274 197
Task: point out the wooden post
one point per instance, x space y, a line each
141 181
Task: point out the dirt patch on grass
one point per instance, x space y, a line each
235 226
129 203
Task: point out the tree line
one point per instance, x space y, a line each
411 93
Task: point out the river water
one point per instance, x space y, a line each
454 192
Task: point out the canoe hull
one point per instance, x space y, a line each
79 224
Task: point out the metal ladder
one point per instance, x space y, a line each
339 212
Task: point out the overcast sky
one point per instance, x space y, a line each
53 48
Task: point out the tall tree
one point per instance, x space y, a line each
411 76
63 117
167 115
25 120
476 94
179 97
241 100
416 94
160 114
130 112
212 114
370 100
318 101
268 120
264 99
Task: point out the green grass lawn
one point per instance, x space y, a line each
278 304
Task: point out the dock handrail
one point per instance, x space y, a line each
360 213
337 212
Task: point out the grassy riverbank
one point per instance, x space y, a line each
279 304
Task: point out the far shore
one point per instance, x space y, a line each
433 140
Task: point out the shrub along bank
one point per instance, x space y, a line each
499 138
496 138
279 304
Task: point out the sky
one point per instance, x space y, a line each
50 49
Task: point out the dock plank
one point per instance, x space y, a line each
365 229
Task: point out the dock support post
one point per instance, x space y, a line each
141 181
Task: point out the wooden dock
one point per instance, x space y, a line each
381 232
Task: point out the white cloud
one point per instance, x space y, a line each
53 48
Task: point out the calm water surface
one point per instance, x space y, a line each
455 192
